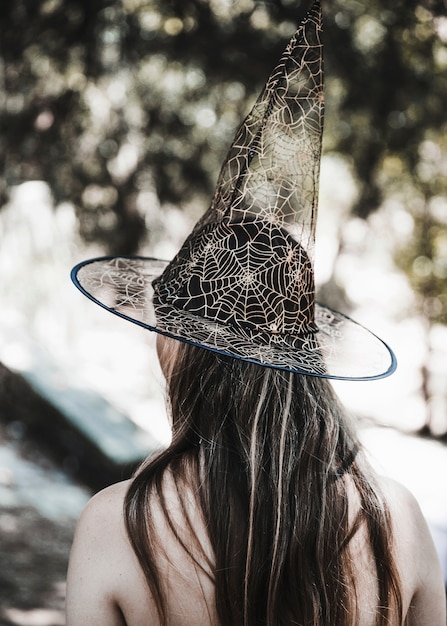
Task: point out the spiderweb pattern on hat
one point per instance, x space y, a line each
272 168
248 262
242 283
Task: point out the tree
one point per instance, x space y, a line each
108 99
124 105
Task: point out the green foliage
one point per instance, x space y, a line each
423 257
120 103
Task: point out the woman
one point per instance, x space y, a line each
262 511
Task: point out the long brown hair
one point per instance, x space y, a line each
275 447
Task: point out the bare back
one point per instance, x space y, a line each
106 585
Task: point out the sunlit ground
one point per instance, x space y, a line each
35 617
43 319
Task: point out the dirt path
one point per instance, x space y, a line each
39 506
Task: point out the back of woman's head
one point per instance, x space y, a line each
239 404
267 453
272 447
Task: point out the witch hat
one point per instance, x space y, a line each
242 284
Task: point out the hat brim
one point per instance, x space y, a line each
341 349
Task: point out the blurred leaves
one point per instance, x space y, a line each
124 104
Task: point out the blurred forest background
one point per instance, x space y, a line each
115 116
125 110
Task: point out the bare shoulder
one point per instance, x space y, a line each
101 522
408 521
106 506
102 567
411 534
416 556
